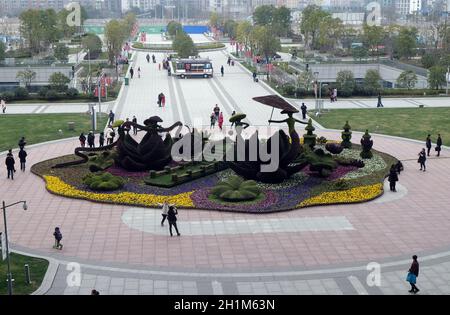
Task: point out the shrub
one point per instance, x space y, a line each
101 162
72 93
334 148
349 162
236 189
43 92
321 162
51 95
8 96
21 93
103 181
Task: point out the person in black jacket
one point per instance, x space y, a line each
101 139
58 237
23 159
422 159
428 144
413 274
438 145
22 143
172 218
304 110
393 177
91 140
10 164
82 139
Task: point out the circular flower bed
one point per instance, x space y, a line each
345 184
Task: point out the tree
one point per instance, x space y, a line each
345 81
115 36
174 27
215 20
306 80
184 45
312 16
406 42
407 79
93 43
61 52
372 81
2 51
243 33
282 21
66 30
360 53
329 31
26 76
58 81
230 28
436 77
372 37
267 44
263 15
430 59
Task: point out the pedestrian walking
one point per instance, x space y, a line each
139 72
222 70
399 167
216 111
172 218
304 110
438 145
232 114
159 66
23 159
131 72
393 177
3 105
422 159
413 274
110 134
163 100
101 139
111 117
213 121
220 120
58 237
229 61
428 144
164 210
82 139
9 162
148 58
255 76
22 143
134 120
380 103
154 58
91 139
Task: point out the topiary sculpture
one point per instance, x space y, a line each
309 138
103 181
320 162
366 144
102 161
334 148
346 136
235 189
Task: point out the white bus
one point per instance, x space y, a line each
185 68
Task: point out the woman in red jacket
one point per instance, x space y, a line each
220 120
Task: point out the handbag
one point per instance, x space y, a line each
411 278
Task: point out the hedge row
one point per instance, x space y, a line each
45 93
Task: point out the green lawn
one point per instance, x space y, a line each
38 128
38 268
414 123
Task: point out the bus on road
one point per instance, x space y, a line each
185 68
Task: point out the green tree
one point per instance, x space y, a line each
263 15
345 81
329 32
93 43
230 28
61 52
174 27
372 81
360 53
436 77
430 59
26 76
282 21
215 20
267 44
184 45
372 37
407 79
66 30
115 36
312 16
2 51
406 42
243 33
129 21
58 81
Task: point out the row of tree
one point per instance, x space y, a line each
42 28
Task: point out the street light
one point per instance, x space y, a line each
4 206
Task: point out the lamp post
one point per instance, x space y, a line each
9 275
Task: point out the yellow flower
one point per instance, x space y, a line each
59 187
357 194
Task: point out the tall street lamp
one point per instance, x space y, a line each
4 206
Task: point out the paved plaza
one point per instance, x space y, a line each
318 250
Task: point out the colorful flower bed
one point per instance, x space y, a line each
345 184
